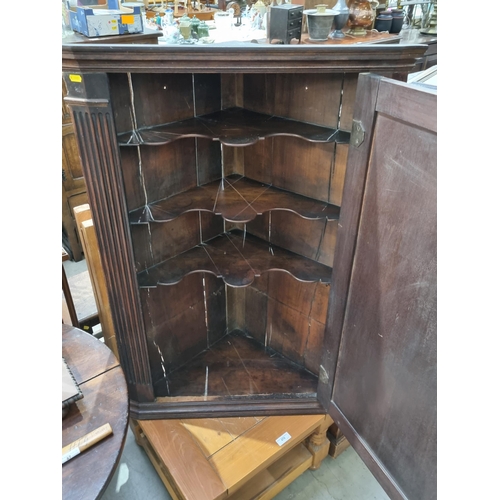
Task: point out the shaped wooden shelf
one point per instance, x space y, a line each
237 365
233 127
236 199
237 258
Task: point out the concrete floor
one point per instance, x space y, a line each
343 478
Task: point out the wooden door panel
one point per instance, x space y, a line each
384 387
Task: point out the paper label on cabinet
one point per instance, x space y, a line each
127 19
283 439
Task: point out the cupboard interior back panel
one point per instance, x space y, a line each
233 243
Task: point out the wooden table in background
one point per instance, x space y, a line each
105 400
226 458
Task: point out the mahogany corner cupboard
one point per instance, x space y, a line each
266 217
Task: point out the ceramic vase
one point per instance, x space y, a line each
397 24
383 21
360 17
340 18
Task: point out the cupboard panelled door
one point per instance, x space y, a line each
383 347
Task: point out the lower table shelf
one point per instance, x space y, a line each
243 458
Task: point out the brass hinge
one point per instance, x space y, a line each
357 134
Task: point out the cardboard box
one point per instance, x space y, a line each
104 22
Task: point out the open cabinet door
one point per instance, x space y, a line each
379 377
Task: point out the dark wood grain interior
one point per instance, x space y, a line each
232 127
281 317
238 259
236 199
239 365
279 322
251 230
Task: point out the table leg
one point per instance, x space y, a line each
318 443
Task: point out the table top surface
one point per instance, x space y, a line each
105 400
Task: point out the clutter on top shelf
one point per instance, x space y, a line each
103 19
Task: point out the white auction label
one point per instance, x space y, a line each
70 454
283 439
